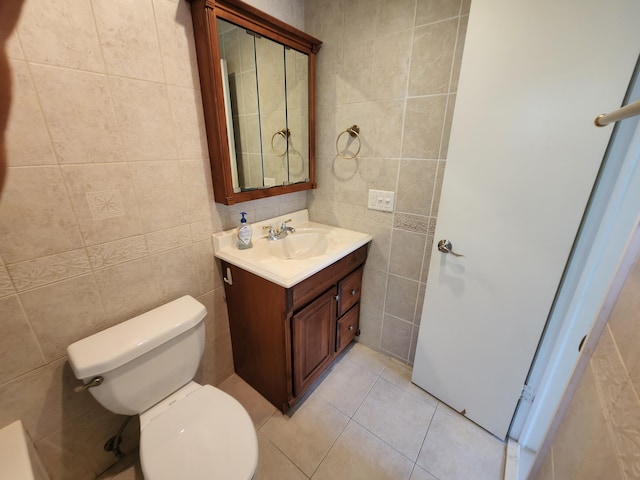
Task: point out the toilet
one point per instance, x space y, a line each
145 366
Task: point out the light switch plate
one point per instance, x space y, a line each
381 200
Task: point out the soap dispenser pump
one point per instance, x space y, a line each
244 233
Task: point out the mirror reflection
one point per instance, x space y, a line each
265 88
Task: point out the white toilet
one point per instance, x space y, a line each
147 364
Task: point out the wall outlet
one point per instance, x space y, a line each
381 200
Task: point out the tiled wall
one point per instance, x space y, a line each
599 436
391 67
107 210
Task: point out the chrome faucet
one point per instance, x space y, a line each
276 233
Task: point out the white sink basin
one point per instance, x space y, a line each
303 243
288 261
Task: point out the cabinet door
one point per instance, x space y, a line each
313 340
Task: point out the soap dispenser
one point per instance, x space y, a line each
244 233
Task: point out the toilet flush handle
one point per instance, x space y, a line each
94 382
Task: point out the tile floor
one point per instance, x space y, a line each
365 420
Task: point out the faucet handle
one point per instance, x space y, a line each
284 224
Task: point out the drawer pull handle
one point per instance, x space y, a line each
353 292
350 327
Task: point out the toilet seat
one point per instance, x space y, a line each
205 434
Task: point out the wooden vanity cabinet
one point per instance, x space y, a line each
284 338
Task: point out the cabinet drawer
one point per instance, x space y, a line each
347 328
349 291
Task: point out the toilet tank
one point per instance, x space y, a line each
144 359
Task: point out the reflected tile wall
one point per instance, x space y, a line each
599 436
391 68
108 207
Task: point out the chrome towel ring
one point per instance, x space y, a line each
353 131
285 133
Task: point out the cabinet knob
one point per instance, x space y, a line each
353 292
350 327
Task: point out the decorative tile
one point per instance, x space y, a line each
626 431
118 251
411 223
46 270
6 285
105 204
168 238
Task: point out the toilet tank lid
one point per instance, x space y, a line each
117 345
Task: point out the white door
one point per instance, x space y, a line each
523 156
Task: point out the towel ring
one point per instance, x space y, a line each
285 133
354 131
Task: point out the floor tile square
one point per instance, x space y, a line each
306 436
400 376
360 455
457 449
273 464
397 417
369 359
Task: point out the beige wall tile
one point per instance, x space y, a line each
44 399
13 48
45 270
361 17
127 290
546 471
457 59
217 361
188 122
402 294
429 11
35 215
6 284
608 370
104 201
423 126
432 57
428 251
217 319
416 183
129 42
196 180
391 64
374 284
406 254
26 135
177 46
60 32
19 351
396 337
201 230
160 194
176 274
63 313
204 264
380 247
414 344
417 318
144 118
78 110
444 149
583 447
118 251
624 323
395 16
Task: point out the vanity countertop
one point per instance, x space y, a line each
287 272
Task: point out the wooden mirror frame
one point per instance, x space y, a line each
204 14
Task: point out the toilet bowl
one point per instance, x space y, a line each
146 366
198 432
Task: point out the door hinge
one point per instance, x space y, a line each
528 394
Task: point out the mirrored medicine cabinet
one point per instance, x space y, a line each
257 76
